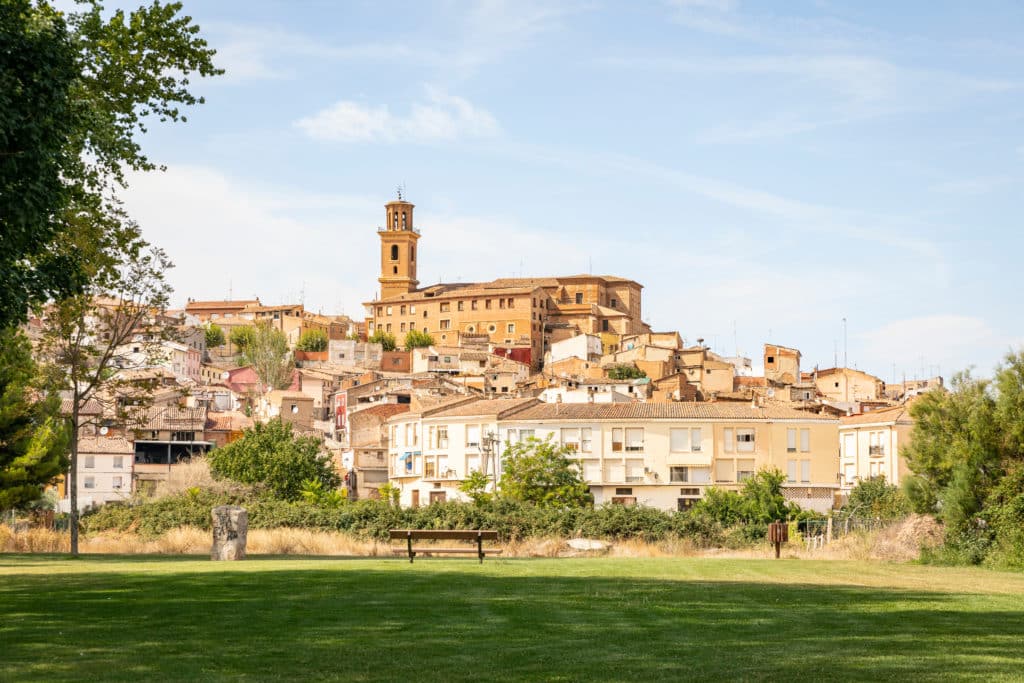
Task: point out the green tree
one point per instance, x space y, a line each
877 498
241 337
214 336
272 455
33 437
415 339
111 326
540 472
475 486
268 354
760 502
625 371
78 89
383 338
312 340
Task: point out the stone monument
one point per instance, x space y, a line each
230 526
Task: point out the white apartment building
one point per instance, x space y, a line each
870 445
662 455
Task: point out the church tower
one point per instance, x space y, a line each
398 240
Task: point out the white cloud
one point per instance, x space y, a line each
442 118
943 342
227 235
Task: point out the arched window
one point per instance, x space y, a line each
412 254
394 252
403 220
394 216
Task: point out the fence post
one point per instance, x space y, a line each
828 530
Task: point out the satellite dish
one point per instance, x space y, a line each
104 430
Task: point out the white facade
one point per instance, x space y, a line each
662 455
869 445
104 471
584 346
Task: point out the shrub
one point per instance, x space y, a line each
312 340
878 499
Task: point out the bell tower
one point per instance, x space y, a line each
398 240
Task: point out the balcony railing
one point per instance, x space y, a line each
876 450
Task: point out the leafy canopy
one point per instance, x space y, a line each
272 455
416 339
76 92
268 354
625 371
33 437
214 336
540 472
386 340
312 340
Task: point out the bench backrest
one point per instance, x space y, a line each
445 534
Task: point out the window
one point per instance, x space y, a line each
679 440
491 329
388 328
634 439
118 462
401 309
805 440
604 325
473 304
445 306
579 297
460 305
446 324
617 440
876 446
695 440
389 309
511 302
770 360
525 435
412 310
612 303
791 471
428 467
624 491
724 470
501 303
472 435
727 440
744 469
90 482
401 328
585 440
90 462
791 441
442 437
571 439
511 328
805 471
117 483
745 440
690 475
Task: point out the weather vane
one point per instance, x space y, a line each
399 190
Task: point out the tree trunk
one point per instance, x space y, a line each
73 478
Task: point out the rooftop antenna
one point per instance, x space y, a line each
844 344
398 191
231 289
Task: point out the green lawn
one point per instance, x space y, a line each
157 618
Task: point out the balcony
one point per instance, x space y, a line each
876 450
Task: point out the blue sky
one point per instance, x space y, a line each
764 169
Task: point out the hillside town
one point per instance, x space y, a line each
435 382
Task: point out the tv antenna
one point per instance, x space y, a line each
398 190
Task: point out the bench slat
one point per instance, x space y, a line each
444 534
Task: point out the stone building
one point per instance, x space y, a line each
522 313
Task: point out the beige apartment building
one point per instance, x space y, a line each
527 314
664 455
870 445
846 385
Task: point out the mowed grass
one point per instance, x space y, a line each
157 618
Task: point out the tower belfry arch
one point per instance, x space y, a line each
398 239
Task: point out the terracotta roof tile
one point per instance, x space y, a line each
665 411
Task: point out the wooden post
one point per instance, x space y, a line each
411 553
480 546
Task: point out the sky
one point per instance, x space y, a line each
843 178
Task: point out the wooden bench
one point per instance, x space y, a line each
478 535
